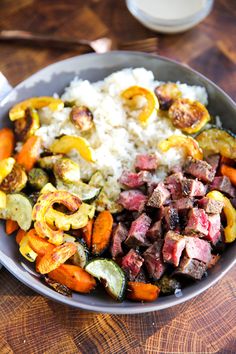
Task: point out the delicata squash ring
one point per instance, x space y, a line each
44 203
189 145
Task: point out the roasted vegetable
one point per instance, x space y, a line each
230 214
138 291
103 202
66 170
168 285
39 244
110 275
67 143
6 167
40 210
82 118
167 94
57 256
7 142
59 288
47 162
97 180
84 191
49 187
11 226
19 235
76 220
217 141
102 229
80 258
189 116
230 172
3 200
87 231
27 126
74 277
15 181
18 111
26 250
132 95
38 178
29 153
187 143
19 209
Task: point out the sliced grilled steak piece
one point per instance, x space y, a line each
174 184
199 169
210 205
171 218
214 228
183 203
197 222
174 244
153 260
191 268
198 249
155 232
138 230
223 184
193 188
134 180
131 264
176 169
119 235
142 276
214 161
159 196
132 199
146 162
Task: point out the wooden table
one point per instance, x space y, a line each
33 324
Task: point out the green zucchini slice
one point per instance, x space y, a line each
80 258
110 275
82 190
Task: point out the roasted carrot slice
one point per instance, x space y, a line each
229 172
57 256
74 277
20 234
29 153
39 244
11 226
227 161
142 292
101 235
7 142
87 233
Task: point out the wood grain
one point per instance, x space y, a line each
33 324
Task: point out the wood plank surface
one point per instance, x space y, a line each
31 323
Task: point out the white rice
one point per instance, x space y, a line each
117 136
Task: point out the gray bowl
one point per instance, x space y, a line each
94 67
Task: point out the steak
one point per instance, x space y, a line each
138 230
223 184
191 268
119 235
171 218
134 180
174 185
214 161
183 203
173 247
198 249
132 199
155 232
197 222
214 228
159 196
211 206
193 188
146 162
153 260
199 169
131 264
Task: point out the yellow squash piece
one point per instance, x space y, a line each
3 200
18 111
152 103
190 145
230 214
67 142
26 250
6 167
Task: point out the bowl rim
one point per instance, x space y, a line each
137 308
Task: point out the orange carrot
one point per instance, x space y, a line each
227 161
87 233
20 234
101 235
39 244
230 172
37 261
74 277
29 153
7 142
11 226
142 292
57 256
